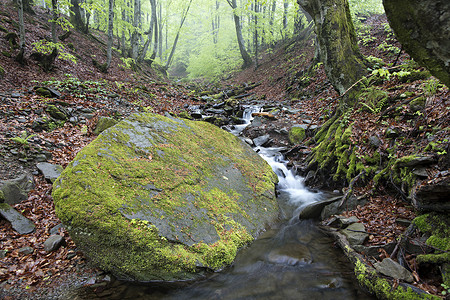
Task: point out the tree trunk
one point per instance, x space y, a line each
237 22
135 34
160 31
285 18
271 20
422 27
172 52
255 37
337 45
20 56
122 38
75 16
110 33
21 25
150 31
216 23
54 18
156 45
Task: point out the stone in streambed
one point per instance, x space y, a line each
157 198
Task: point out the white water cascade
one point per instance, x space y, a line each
288 181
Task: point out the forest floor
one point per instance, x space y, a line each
122 91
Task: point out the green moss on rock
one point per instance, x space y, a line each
438 227
296 135
383 288
156 198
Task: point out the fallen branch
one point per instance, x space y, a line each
349 191
403 239
388 110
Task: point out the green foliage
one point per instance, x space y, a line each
374 99
23 139
45 47
389 48
63 23
361 9
128 63
431 87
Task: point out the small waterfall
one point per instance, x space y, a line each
288 181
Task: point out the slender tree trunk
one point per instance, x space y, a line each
156 46
122 39
54 18
337 45
215 23
110 33
21 25
135 34
20 56
285 18
271 20
150 31
255 42
237 22
160 29
172 52
88 17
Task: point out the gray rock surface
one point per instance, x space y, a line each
18 222
314 210
355 233
16 190
392 269
53 243
50 171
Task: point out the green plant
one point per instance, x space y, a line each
374 99
385 47
446 289
44 47
431 86
127 63
23 139
382 73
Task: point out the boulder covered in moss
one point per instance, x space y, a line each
157 198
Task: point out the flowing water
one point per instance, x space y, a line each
291 260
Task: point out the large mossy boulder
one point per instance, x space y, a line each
157 198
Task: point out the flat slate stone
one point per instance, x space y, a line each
393 269
51 172
19 223
16 190
355 233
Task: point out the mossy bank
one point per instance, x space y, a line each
157 198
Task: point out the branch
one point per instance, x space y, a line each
398 105
350 188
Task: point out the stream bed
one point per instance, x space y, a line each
291 260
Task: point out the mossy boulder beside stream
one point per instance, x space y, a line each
157 198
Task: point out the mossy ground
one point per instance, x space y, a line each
164 173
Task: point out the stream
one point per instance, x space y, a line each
291 260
